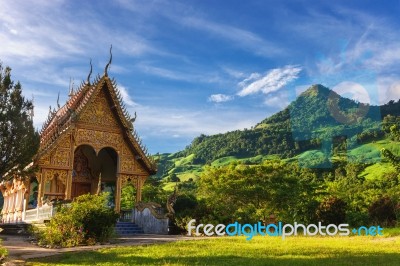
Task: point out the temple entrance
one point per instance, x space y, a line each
79 189
88 168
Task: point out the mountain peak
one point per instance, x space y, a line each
315 90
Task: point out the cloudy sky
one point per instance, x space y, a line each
193 67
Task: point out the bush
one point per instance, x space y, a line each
3 252
357 218
332 211
383 211
86 221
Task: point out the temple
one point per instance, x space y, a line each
88 144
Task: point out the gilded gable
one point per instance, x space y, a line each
98 112
60 156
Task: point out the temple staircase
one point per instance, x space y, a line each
127 229
14 229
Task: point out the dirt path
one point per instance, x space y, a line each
20 249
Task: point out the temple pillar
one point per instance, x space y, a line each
11 201
40 189
20 189
118 193
139 184
68 185
5 193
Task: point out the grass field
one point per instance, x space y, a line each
237 251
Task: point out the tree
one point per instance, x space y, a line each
128 197
332 211
382 211
19 141
153 191
395 160
174 178
249 193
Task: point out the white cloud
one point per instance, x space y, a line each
272 81
220 98
191 74
233 72
125 96
165 73
61 33
160 121
236 36
366 45
251 78
184 15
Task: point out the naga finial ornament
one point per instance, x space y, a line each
109 63
90 73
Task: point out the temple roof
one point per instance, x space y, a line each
63 120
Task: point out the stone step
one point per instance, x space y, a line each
14 229
127 228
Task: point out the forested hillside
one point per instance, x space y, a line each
317 117
323 158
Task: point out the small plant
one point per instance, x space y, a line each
3 252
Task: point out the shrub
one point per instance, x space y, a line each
86 221
357 218
383 211
3 252
331 211
96 218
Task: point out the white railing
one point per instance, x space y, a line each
39 214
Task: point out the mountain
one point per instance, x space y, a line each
319 119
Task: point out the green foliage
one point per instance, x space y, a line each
174 178
332 211
232 181
249 193
303 126
187 207
19 141
128 197
86 221
153 191
383 211
62 231
98 220
395 160
3 252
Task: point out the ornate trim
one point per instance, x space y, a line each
152 206
129 179
50 174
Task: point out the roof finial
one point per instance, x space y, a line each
109 63
90 73
71 87
58 100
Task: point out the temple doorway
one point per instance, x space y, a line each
89 167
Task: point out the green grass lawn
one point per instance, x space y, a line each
238 251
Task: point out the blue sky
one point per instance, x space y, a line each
193 67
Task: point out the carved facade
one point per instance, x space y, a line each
91 135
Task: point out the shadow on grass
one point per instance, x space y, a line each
98 258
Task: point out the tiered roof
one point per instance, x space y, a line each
61 121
